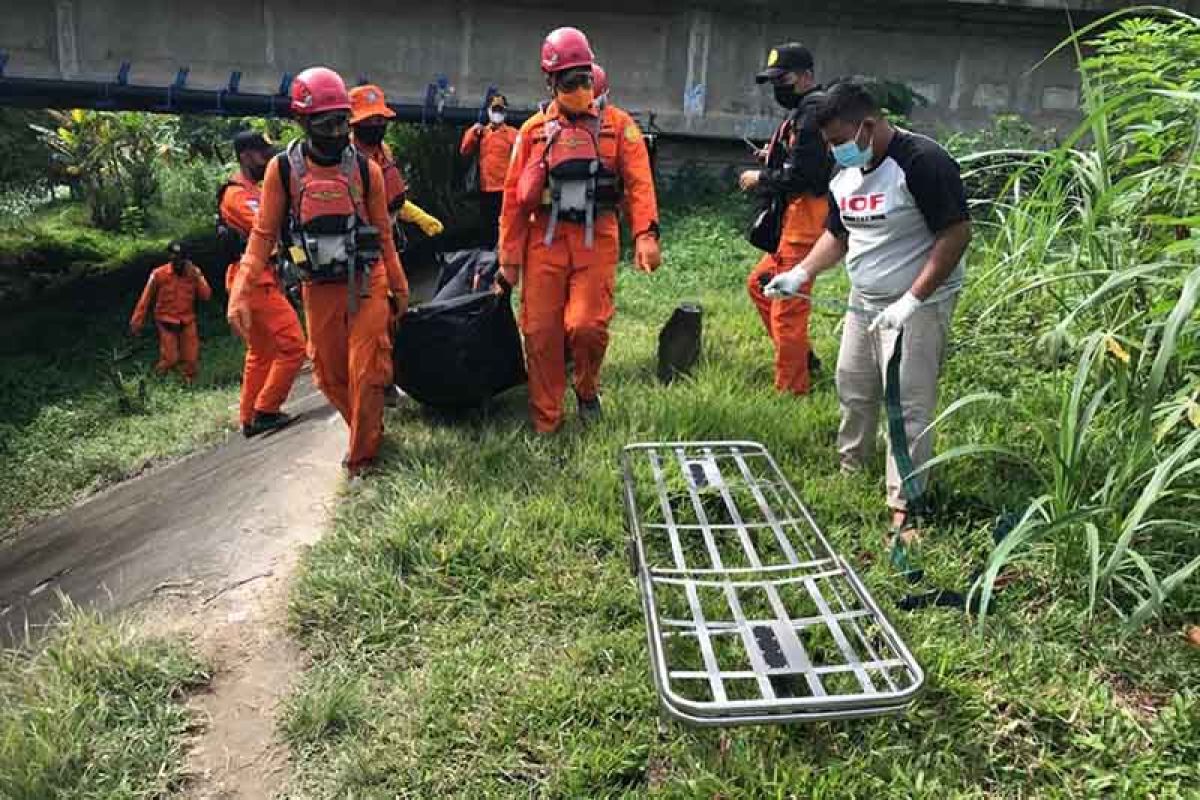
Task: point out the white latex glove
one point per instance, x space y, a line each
895 315
786 284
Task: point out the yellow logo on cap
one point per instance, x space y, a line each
771 59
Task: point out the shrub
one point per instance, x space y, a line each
112 158
1096 241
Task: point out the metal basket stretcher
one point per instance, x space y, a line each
751 616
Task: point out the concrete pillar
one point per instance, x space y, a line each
269 33
68 50
699 40
466 24
960 80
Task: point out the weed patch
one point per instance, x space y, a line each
95 713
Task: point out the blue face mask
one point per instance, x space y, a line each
848 154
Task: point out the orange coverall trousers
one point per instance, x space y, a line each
178 345
352 358
786 320
274 352
566 303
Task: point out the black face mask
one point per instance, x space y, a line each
370 134
786 96
257 172
178 266
330 147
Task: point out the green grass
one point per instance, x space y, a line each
475 631
66 430
54 247
96 713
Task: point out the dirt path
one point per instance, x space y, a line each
205 549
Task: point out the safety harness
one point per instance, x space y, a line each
578 182
393 180
397 194
327 237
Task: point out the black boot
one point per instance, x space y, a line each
590 411
267 422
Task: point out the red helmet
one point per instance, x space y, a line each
599 80
565 48
317 90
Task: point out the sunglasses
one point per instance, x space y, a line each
331 123
575 79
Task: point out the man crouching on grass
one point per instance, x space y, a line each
898 216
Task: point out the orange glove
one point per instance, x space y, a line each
647 254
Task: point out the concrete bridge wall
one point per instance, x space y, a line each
691 63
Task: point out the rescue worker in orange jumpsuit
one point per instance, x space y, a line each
493 143
173 289
369 115
275 346
329 204
796 170
559 231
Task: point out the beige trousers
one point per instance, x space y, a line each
861 372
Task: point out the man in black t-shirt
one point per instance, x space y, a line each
898 216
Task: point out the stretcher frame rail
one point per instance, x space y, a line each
751 615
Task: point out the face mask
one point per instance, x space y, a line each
370 134
576 101
786 96
848 154
330 147
178 265
257 172
496 117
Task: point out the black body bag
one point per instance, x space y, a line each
460 352
459 269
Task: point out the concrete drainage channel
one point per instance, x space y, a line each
202 549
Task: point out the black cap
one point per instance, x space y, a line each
790 57
251 140
176 248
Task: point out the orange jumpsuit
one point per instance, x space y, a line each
495 146
174 299
275 346
352 353
786 320
568 287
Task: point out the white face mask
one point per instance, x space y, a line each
497 117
